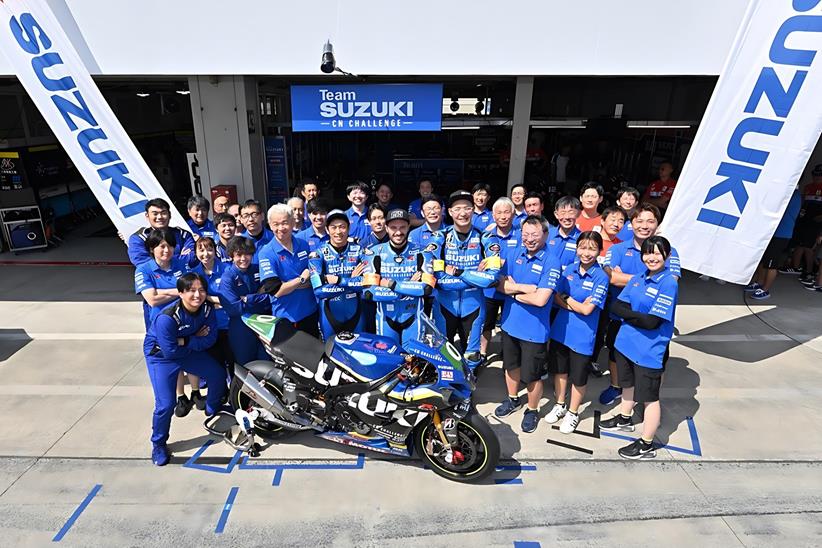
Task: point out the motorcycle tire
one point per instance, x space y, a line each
238 400
477 443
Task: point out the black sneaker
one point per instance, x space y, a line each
198 399
507 407
807 281
618 422
183 406
791 271
639 449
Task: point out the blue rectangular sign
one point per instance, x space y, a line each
276 169
367 107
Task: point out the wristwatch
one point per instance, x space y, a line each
302 280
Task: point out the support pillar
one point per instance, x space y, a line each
519 132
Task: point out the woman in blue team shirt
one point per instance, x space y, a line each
580 296
212 268
156 280
646 306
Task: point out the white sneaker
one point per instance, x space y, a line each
569 423
556 413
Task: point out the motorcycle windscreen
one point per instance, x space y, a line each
262 324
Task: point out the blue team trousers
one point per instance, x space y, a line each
467 328
163 374
245 345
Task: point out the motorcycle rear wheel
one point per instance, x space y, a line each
263 428
476 442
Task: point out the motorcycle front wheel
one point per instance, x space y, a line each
238 400
477 447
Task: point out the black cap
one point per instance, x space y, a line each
337 214
398 215
460 195
817 170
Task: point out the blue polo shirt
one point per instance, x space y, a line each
480 221
655 295
214 288
508 245
358 227
277 262
314 240
518 218
421 235
564 248
260 241
149 275
415 207
207 230
626 232
524 321
373 240
628 258
577 331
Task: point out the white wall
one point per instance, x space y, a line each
426 37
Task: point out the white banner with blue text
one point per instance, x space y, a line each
59 84
761 125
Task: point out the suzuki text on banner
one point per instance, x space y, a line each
61 87
367 107
763 121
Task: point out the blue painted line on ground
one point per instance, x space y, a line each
526 544
517 467
86 501
696 449
192 461
278 478
229 504
509 481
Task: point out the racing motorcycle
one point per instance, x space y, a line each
364 391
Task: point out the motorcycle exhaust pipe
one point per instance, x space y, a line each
261 395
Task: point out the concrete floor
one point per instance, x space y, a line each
740 466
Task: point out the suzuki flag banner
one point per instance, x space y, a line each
761 124
367 107
60 85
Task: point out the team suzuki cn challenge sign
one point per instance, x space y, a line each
367 107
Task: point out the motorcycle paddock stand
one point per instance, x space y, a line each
239 436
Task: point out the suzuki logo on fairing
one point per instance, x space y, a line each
337 374
744 163
380 405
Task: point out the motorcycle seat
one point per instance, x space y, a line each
303 349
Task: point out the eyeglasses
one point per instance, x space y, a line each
462 209
252 215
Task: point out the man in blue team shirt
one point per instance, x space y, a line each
251 214
562 241
509 241
198 221
432 212
226 227
336 276
158 215
622 262
285 276
315 235
397 277
385 195
529 277
297 206
426 189
627 199
177 341
465 262
482 217
517 196
376 223
309 190
357 194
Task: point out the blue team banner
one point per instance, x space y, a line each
367 107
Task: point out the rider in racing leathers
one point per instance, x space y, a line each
336 276
397 277
465 262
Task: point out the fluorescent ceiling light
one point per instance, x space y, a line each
460 127
183 92
143 94
642 126
560 126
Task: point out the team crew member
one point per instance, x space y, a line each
316 234
627 199
385 195
255 229
529 277
509 241
336 276
613 219
433 212
580 295
212 270
397 277
808 227
226 227
177 341
285 275
660 191
622 262
156 279
198 221
426 189
357 194
158 215
765 275
647 307
590 197
220 205
518 198
239 293
376 222
465 262
481 217
562 243
309 190
297 206
533 204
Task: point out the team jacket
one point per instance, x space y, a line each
175 322
342 298
400 302
138 254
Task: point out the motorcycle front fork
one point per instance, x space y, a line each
451 455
